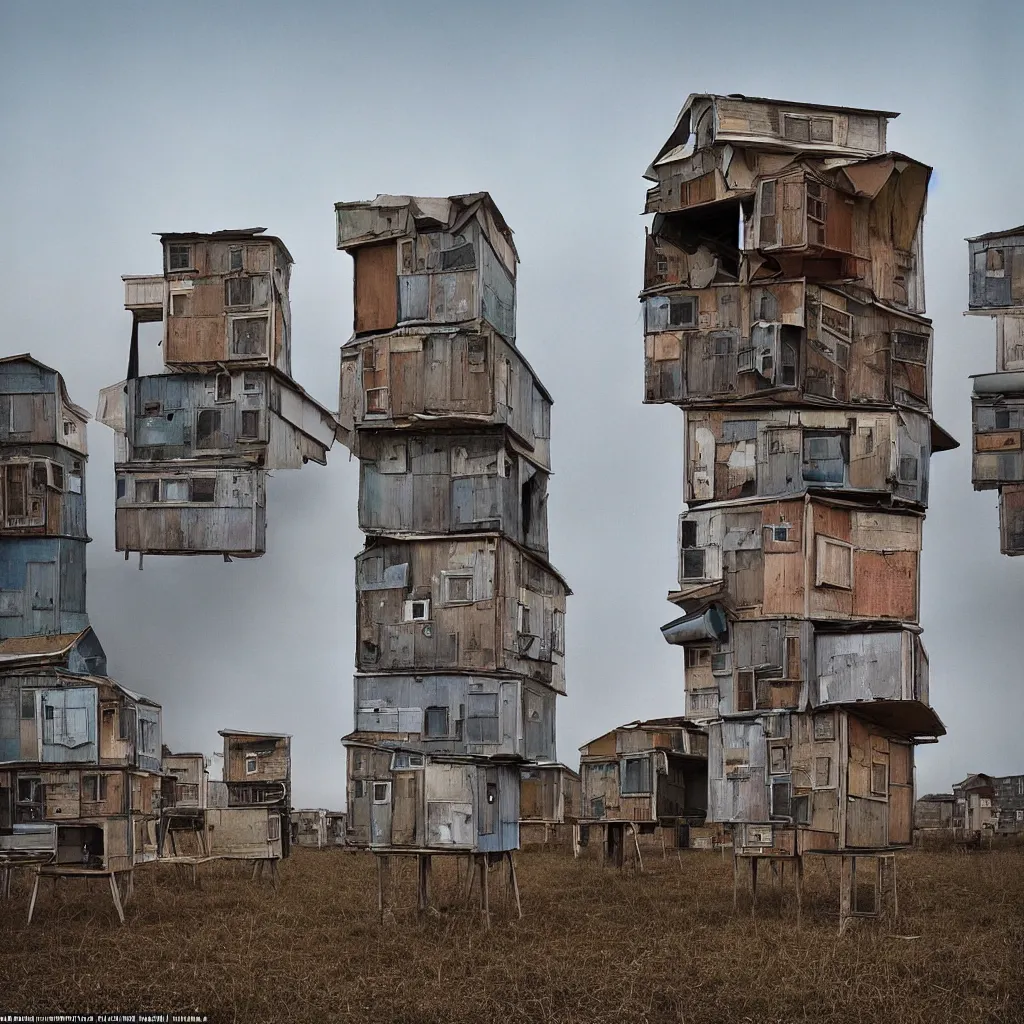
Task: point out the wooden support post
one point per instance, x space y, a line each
255 869
664 851
753 884
847 881
515 883
636 843
35 892
735 880
116 896
273 873
799 875
485 891
422 899
380 887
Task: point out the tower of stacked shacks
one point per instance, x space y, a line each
784 314
460 616
80 755
997 290
195 442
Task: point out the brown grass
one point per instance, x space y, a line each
593 946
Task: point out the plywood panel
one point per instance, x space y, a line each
866 823
376 295
885 584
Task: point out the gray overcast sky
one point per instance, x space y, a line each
121 119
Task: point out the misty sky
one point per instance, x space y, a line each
118 120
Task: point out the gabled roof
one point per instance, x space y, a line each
42 648
225 235
26 357
653 725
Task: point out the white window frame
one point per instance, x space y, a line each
255 764
386 798
447 577
386 404
414 614
191 249
821 546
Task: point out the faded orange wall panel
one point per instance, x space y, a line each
885 584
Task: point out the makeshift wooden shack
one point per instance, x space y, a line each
195 442
550 800
644 778
784 310
309 827
257 776
460 615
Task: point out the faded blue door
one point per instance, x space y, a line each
41 613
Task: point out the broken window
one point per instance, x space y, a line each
523 620
911 348
376 400
745 691
636 776
435 722
223 387
28 704
235 258
147 492
789 356
29 805
39 476
458 588
816 211
175 489
477 353
698 657
251 764
179 257
825 457
482 718
682 311
995 263
180 304
57 473
779 759
208 429
249 336
250 429
252 383
459 257
203 488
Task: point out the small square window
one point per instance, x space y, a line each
780 534
147 492
238 291
381 792
458 589
48 712
251 764
179 257
181 303
693 564
175 489
235 258
204 488
682 312
249 336
208 429
253 383
720 664
824 727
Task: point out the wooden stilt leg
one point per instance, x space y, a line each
380 887
255 869
485 891
116 896
515 883
273 873
799 887
32 902
421 883
846 883
895 898
735 881
636 843
470 878
753 885
664 851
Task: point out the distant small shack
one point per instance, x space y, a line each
258 776
644 778
309 827
990 803
550 796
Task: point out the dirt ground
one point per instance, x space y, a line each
593 946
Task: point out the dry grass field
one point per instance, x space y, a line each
593 946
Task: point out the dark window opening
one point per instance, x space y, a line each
482 721
781 800
208 429
28 704
745 691
250 423
693 564
147 491
15 491
477 353
179 257
1002 418
249 337
825 457
238 291
223 387
459 257
235 258
203 488
682 312
435 722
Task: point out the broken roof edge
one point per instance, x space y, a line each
257 735
223 235
1019 230
474 535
